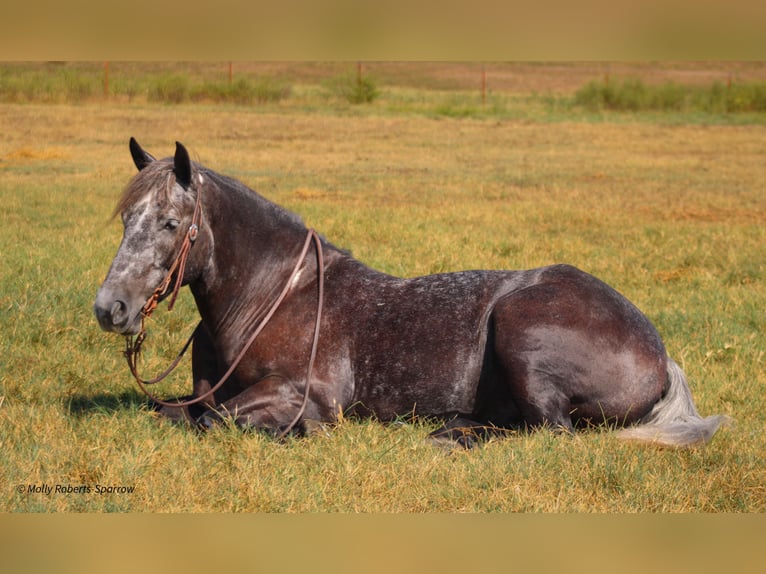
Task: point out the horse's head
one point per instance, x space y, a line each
157 210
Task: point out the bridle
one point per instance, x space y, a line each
133 345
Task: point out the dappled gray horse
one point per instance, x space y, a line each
483 351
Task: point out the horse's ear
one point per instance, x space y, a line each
182 166
140 157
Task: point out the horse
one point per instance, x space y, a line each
482 352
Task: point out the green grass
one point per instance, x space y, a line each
635 95
51 83
671 215
89 82
421 89
178 89
355 88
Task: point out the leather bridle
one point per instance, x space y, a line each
133 345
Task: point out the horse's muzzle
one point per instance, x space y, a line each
115 316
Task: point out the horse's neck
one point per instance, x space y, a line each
256 245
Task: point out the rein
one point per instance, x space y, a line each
133 346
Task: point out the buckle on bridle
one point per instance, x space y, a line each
193 232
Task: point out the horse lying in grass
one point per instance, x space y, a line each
289 336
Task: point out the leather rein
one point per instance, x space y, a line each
133 345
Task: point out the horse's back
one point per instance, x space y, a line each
419 343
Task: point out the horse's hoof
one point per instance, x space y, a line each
448 443
179 415
314 427
207 421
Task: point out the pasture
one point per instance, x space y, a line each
668 208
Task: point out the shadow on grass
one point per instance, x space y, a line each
132 400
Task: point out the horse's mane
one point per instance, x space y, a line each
159 175
156 174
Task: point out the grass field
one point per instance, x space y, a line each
669 208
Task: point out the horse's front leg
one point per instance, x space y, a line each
205 373
271 404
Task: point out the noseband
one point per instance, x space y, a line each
133 345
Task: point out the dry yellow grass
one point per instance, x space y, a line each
672 215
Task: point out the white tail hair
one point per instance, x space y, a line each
674 420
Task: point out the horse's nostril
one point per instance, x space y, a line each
118 312
113 315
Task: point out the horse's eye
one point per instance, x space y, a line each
172 224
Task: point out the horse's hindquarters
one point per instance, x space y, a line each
571 349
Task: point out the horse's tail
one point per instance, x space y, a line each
674 420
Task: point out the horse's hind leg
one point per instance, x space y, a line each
531 365
461 432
